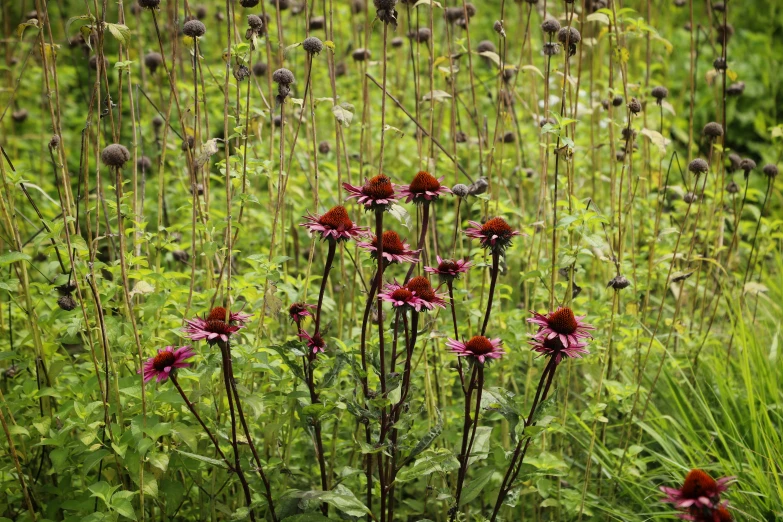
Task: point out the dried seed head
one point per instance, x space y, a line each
423 35
619 282
747 165
397 41
698 166
357 6
283 76
460 137
157 122
734 162
54 142
20 116
259 69
479 186
115 155
280 5
313 45
770 170
340 69
550 26
153 61
93 63
634 106
187 143
180 255
498 27
719 7
551 48
149 4
732 188
361 54
509 137
194 29
659 93
317 23
460 190
549 120
248 3
66 302
617 101
201 12
324 147
385 5
690 197
720 64
712 130
486 46
255 22
144 164
724 33
569 34
735 89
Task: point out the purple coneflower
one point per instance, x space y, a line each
394 249
400 297
333 224
480 347
554 348
214 327
165 361
424 187
314 342
377 192
298 311
448 270
563 324
699 492
422 289
495 234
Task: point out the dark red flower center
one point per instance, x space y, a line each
479 345
336 218
423 182
217 314
496 227
402 294
698 484
378 187
554 344
296 309
218 326
421 286
317 341
448 266
722 515
391 243
563 321
163 360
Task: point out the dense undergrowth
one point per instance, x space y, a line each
635 155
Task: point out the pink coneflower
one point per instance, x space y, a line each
165 361
495 234
699 492
448 270
422 289
563 324
394 249
554 348
333 224
377 192
315 342
719 514
400 297
479 347
298 311
424 187
214 327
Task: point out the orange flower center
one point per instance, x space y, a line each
379 187
402 294
391 243
336 218
479 345
423 182
163 360
563 321
421 286
723 515
217 314
496 227
697 483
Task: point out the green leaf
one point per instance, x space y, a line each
475 486
343 113
307 517
124 508
440 460
13 257
103 490
340 498
120 32
214 462
428 438
480 448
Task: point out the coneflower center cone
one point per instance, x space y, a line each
421 286
379 187
497 227
336 217
402 294
447 266
392 244
218 326
423 182
697 484
163 360
563 321
479 345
